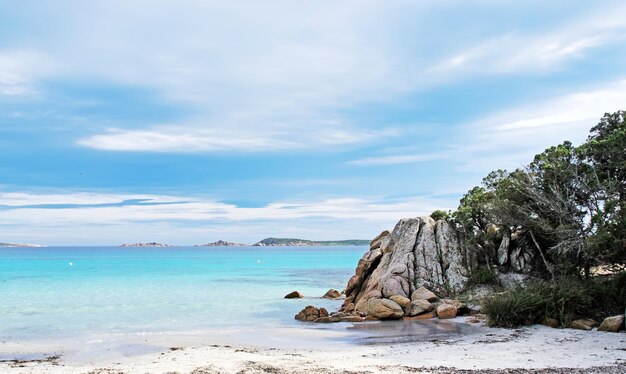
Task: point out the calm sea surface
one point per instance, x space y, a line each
59 292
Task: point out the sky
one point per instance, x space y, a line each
187 122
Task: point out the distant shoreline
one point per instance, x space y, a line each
267 242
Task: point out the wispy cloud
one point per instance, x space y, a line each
111 214
243 139
540 52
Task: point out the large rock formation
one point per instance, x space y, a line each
407 270
419 252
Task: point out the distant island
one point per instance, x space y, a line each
21 245
221 243
267 242
290 242
151 244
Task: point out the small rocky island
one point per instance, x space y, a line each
221 243
149 244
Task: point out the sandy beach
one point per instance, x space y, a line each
389 347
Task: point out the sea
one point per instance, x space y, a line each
61 292
96 302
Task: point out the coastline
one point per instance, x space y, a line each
312 350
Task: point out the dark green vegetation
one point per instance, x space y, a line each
565 215
564 300
302 242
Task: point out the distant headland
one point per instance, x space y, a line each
21 245
150 244
267 242
290 242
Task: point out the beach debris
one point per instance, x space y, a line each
384 309
583 324
294 295
332 294
612 324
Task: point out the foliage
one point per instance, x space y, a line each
512 309
483 275
568 204
440 215
563 300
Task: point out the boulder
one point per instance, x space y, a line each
550 322
583 324
612 324
294 295
332 294
376 242
404 302
423 293
384 309
461 308
309 313
419 307
445 311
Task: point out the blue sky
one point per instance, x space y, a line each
191 121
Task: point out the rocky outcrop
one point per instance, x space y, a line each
150 244
419 252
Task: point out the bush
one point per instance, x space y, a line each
511 309
563 300
439 215
609 295
483 275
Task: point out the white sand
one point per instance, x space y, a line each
305 351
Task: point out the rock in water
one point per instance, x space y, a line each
384 309
332 294
294 295
612 324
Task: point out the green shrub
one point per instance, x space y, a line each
439 215
483 275
563 300
609 295
513 308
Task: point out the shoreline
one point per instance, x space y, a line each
311 350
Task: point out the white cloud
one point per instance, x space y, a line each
199 139
184 219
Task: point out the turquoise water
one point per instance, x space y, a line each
58 292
